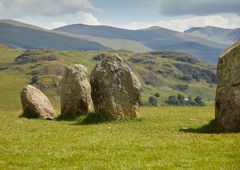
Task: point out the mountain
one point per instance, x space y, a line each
167 73
25 36
115 44
226 36
16 34
141 35
86 37
156 38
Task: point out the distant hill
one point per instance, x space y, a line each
225 36
25 36
86 37
141 35
115 44
156 38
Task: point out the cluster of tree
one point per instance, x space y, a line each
153 99
181 100
178 100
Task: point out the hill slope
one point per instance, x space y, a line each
227 36
29 37
115 44
167 73
25 36
156 38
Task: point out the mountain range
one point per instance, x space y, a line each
223 35
203 43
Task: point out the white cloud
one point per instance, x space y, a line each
87 18
197 7
13 8
181 24
50 13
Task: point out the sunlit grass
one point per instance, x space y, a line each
163 137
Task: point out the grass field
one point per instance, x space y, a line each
162 138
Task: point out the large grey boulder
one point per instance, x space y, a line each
35 104
228 91
115 89
75 92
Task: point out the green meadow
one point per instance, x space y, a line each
161 138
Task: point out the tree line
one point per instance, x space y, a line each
177 100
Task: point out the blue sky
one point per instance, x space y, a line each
123 12
131 14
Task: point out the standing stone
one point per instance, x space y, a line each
35 104
115 89
228 91
76 92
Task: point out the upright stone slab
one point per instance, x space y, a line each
35 104
228 90
75 92
115 89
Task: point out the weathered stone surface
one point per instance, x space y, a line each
35 104
76 92
228 91
115 89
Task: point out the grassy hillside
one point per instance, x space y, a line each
166 73
156 38
163 138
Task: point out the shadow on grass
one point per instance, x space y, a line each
65 118
91 118
97 118
211 127
33 117
28 116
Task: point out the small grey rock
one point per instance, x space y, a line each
35 104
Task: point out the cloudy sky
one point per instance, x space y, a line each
132 14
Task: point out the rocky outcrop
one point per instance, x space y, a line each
76 92
197 73
35 104
99 57
228 91
38 55
115 89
